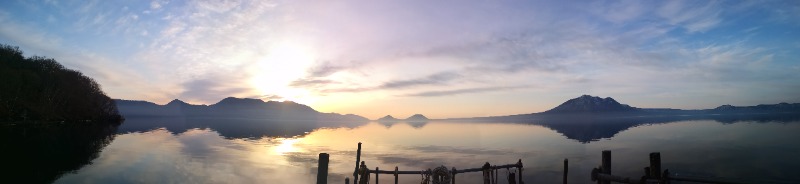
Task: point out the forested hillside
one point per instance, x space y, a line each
39 89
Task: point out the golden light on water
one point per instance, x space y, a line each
287 146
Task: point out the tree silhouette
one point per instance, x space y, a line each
39 89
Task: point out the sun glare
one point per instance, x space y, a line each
286 146
284 63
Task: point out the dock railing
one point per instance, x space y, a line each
440 174
653 173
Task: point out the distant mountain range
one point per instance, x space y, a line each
592 104
233 108
587 106
589 118
585 118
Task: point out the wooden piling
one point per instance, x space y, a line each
322 168
453 179
364 176
519 168
606 164
376 175
566 170
358 160
395 174
493 175
655 165
346 180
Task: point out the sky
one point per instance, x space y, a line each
443 59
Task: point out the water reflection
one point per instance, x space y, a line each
41 154
415 123
587 129
745 148
189 151
193 156
230 127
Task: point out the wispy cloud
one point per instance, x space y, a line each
464 91
435 79
694 16
322 85
211 89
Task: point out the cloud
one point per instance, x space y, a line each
331 86
211 89
311 83
692 15
325 69
434 79
570 48
157 4
269 97
317 74
464 91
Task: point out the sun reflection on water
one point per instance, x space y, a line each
287 145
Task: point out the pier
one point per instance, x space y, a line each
653 173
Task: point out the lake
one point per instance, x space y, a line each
183 151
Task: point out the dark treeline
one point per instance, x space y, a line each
39 89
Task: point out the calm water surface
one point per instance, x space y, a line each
744 149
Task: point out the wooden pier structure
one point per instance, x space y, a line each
602 175
439 175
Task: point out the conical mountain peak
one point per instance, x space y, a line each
588 103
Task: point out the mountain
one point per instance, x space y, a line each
388 118
591 107
591 104
781 107
417 118
177 103
588 118
232 108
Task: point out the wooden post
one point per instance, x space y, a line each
655 165
395 174
346 180
322 168
453 179
365 176
606 165
566 170
487 176
520 171
376 175
358 159
495 175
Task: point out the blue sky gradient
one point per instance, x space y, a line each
441 58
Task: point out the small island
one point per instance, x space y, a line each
417 118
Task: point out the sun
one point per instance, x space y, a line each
284 62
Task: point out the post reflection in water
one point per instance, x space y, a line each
203 155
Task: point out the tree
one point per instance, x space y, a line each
39 89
